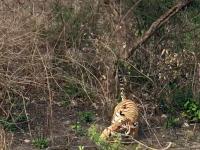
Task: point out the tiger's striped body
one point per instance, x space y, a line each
125 116
127 113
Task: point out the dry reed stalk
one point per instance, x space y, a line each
3 140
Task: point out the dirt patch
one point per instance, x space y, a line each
65 137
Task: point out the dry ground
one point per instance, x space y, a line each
64 137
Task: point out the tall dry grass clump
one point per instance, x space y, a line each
25 62
50 49
5 142
2 140
51 53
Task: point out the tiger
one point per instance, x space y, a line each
107 132
125 116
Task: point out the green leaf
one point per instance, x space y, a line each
186 104
198 114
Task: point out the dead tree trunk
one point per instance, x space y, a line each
125 54
155 26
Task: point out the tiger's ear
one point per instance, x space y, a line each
121 113
135 124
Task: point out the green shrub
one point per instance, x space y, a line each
86 117
40 143
172 122
77 127
94 135
20 122
192 110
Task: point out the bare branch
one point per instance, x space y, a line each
157 24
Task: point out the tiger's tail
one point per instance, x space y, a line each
122 81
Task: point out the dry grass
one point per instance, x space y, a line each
35 62
5 141
2 140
